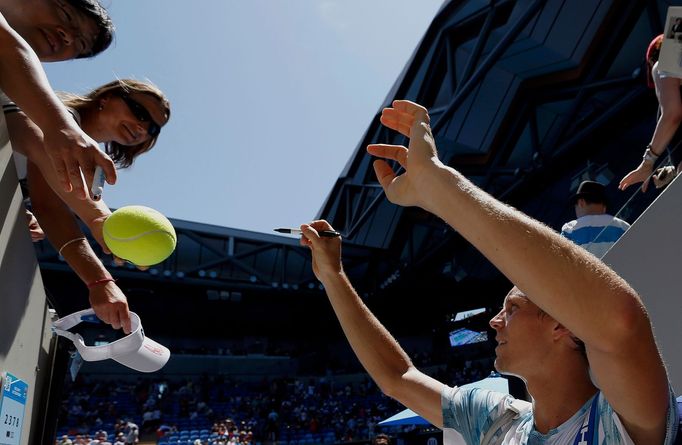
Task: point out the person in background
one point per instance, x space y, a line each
132 434
382 439
667 87
126 116
593 229
32 31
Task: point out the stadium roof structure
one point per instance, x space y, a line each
527 98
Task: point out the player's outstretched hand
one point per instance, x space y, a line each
326 251
411 120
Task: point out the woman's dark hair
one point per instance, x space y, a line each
96 12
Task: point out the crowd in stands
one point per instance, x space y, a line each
223 410
123 433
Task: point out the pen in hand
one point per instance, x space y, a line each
322 233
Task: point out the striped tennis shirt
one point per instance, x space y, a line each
471 414
595 233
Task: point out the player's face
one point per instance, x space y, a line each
133 118
522 335
55 29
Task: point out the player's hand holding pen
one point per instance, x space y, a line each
326 250
323 233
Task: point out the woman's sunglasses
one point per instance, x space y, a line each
142 115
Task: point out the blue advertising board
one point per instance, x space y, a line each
12 406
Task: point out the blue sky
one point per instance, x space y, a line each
269 98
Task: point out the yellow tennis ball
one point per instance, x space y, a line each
140 235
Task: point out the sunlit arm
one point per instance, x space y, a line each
380 354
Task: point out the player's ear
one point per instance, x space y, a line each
560 332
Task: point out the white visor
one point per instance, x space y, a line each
134 350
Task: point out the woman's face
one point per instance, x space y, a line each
131 118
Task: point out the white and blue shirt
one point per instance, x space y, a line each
468 414
595 233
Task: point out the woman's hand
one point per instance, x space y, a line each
34 228
641 174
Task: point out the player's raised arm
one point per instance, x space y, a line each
380 354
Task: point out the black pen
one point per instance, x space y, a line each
323 233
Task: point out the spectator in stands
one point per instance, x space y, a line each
101 438
120 439
271 428
31 88
594 230
382 439
126 115
65 440
228 427
147 420
570 313
667 87
50 31
132 433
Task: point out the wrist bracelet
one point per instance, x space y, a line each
70 242
649 155
100 281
